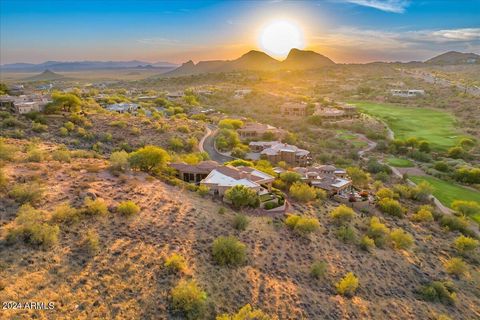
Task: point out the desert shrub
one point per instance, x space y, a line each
228 251
96 207
342 214
118 123
359 177
176 144
38 127
453 223
302 225
148 159
241 196
378 231
26 192
367 243
63 132
64 213
35 155
302 192
175 263
346 234
347 285
61 155
246 313
318 269
119 162
221 210
422 191
271 205
189 299
4 181
467 208
391 207
465 245
240 222
203 190
70 126
441 166
424 214
135 131
455 266
438 291
290 177
230 123
385 193
31 228
401 239
227 139
91 242
128 208
7 151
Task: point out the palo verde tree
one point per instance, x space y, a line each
66 102
149 159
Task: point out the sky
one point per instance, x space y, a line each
347 31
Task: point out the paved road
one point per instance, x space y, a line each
207 144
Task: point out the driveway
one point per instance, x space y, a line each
207 144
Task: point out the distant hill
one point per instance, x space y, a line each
300 59
84 65
454 57
256 60
46 75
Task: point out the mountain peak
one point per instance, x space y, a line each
455 57
305 59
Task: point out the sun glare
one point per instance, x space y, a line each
278 37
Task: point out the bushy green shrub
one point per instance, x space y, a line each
241 196
128 208
467 208
401 239
302 192
203 190
438 291
149 159
91 242
424 214
342 214
455 266
119 162
391 207
95 207
465 245
61 155
385 193
302 225
240 222
35 155
26 192
64 213
175 263
246 313
189 299
229 251
367 243
346 234
318 269
347 285
38 127
456 224
378 231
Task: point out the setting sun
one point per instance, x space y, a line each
278 37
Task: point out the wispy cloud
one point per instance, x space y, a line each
395 6
398 45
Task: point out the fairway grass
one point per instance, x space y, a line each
400 163
437 127
446 192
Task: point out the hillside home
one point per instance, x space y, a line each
241 93
220 179
194 173
254 131
326 177
276 151
24 103
175 96
294 109
407 93
123 107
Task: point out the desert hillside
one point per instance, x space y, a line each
123 274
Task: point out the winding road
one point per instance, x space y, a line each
207 144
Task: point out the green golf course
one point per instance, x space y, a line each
446 192
437 127
400 162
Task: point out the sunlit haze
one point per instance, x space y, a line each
279 37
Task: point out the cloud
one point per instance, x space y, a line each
395 6
397 45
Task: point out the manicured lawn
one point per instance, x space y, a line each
399 162
437 127
447 192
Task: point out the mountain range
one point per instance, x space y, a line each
85 65
256 60
454 57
